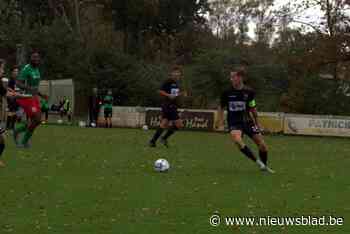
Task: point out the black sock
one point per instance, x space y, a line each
170 132
8 122
263 156
247 152
13 121
156 135
2 147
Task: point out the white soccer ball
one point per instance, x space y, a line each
60 121
145 127
161 165
93 125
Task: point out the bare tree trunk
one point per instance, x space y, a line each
77 18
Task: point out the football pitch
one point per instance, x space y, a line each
101 181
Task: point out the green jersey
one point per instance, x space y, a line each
108 102
30 76
44 104
66 105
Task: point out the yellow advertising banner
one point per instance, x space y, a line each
270 122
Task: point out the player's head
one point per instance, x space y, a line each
94 91
14 72
175 72
109 92
2 67
35 59
237 76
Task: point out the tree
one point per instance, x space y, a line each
138 18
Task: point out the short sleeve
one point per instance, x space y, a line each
165 87
24 74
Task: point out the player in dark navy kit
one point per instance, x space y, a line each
3 93
242 118
170 119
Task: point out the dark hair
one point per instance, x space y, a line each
2 61
175 67
34 51
240 70
14 67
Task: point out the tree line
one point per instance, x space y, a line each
296 64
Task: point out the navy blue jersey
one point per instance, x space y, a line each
170 86
12 84
238 103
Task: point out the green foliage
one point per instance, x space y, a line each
211 77
304 96
211 69
133 81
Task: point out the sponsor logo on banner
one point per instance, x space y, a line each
191 119
317 125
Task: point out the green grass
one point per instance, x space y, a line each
101 181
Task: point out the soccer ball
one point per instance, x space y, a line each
93 125
145 127
60 121
161 165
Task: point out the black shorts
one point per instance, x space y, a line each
169 112
247 128
12 104
108 113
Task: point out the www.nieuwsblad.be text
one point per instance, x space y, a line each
216 220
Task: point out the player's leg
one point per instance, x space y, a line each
20 126
176 125
173 116
236 136
263 151
108 115
35 121
8 120
164 123
110 118
110 121
12 121
69 116
95 116
34 113
2 146
254 133
46 115
106 118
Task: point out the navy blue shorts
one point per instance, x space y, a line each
247 128
169 112
108 113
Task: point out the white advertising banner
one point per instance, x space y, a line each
317 125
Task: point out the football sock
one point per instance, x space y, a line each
247 152
263 156
157 134
170 132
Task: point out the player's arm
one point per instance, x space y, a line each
163 92
34 91
254 116
253 113
21 84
